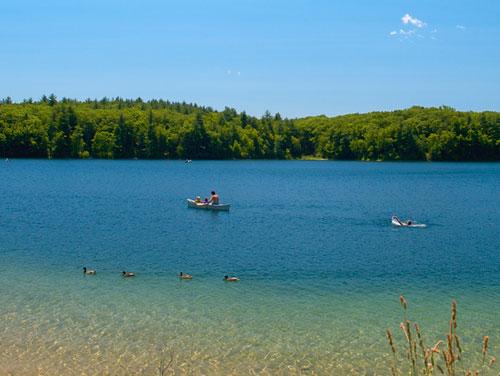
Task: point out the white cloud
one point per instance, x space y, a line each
461 27
407 19
413 28
406 33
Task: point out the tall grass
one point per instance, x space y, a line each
445 357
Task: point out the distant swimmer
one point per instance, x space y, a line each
89 271
231 279
396 221
128 274
185 276
406 223
214 198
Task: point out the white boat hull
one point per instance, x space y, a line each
203 206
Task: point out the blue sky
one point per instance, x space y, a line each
294 57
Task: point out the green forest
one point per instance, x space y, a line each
156 129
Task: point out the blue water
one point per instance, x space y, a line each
321 267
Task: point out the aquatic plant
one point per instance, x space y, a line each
166 367
444 358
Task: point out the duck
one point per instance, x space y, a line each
89 271
231 279
128 274
185 276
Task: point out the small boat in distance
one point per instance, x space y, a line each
408 223
207 206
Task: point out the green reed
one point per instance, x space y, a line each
445 357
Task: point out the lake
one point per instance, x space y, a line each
320 264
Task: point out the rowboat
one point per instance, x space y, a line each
204 206
397 222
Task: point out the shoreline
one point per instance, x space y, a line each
302 159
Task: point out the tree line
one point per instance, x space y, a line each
157 129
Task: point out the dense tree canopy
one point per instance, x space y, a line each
126 128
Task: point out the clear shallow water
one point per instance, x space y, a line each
321 267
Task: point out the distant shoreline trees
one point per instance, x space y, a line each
157 129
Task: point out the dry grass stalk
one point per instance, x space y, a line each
454 313
403 328
485 347
492 362
447 358
449 339
414 354
411 347
403 302
420 339
447 361
435 348
457 342
427 355
428 369
440 369
390 338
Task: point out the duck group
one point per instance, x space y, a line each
182 275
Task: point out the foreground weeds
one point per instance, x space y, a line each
443 357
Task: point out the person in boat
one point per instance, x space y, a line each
231 279
197 199
409 223
214 198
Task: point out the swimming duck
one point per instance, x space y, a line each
88 271
231 279
128 274
185 276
